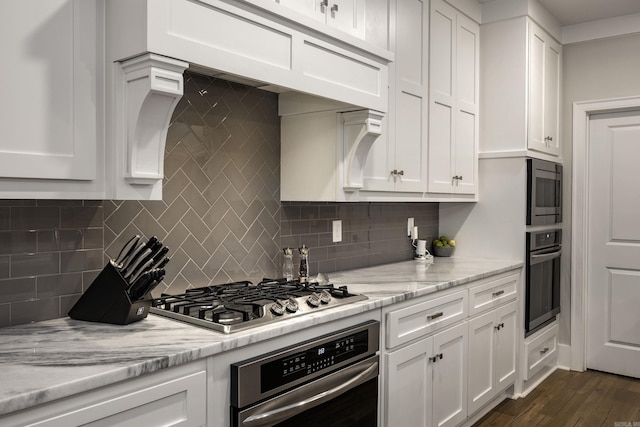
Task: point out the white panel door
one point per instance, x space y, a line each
482 338
613 279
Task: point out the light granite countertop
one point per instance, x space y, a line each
44 361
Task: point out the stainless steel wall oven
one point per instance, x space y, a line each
544 192
542 279
327 381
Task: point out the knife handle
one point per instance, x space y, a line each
127 249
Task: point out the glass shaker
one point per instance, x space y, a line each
287 264
304 264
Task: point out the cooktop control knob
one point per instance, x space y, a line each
325 297
277 308
313 300
292 305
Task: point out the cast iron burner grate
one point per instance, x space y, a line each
241 305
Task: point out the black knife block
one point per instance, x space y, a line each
107 301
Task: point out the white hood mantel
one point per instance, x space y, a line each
151 42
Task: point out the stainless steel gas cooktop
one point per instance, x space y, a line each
241 305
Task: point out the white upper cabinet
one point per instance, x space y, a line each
521 86
344 15
544 91
454 101
51 100
397 160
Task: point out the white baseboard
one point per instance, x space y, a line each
564 357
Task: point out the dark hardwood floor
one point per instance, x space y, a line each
568 399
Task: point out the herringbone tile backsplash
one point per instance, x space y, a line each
220 213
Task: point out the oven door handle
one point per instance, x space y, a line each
546 256
341 386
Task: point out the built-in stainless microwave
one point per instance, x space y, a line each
544 192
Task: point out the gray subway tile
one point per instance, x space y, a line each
35 218
5 218
60 240
5 262
35 311
78 261
67 302
58 284
12 290
17 242
81 216
35 264
5 315
93 238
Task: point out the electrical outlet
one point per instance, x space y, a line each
410 225
337 231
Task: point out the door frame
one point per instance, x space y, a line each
579 224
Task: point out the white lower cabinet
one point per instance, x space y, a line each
492 350
171 397
442 366
426 381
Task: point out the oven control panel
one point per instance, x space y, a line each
293 367
267 375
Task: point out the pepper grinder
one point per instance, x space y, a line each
304 264
287 264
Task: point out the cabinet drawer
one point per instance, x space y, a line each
425 317
493 293
540 351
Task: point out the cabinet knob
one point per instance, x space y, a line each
334 8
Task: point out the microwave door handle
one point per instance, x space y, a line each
288 411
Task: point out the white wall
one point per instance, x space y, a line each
597 69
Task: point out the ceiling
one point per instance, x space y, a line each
570 12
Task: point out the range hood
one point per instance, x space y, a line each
149 44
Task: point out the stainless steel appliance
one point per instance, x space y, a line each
542 279
327 381
544 192
235 306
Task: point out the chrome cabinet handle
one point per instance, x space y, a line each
544 350
435 316
334 8
323 5
498 326
497 294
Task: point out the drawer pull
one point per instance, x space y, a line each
435 358
435 316
499 326
497 294
544 350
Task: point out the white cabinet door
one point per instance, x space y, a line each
408 394
482 339
453 113
50 91
492 349
506 341
544 86
403 146
450 376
